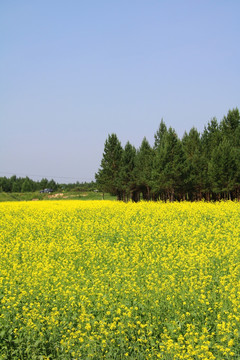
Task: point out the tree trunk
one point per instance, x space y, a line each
148 193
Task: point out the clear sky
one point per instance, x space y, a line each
72 72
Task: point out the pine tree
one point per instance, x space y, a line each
230 133
194 165
143 170
127 170
210 139
168 170
174 169
108 176
223 169
162 130
157 166
229 126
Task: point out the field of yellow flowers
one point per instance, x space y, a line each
109 280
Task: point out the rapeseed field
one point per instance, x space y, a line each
109 280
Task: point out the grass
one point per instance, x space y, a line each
73 195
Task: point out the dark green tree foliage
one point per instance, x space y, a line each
27 185
5 184
44 184
158 162
223 169
221 145
127 175
18 184
200 166
230 134
159 136
210 139
194 165
168 167
13 183
211 136
173 164
79 187
109 175
229 126
52 185
16 187
143 169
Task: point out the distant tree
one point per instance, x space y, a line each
52 185
108 177
27 185
13 180
5 184
16 187
44 183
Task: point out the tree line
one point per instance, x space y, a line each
199 166
25 184
16 184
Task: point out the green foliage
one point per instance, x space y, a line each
108 176
18 185
223 168
159 136
108 281
230 124
66 195
194 164
168 165
143 170
27 185
199 166
127 174
173 160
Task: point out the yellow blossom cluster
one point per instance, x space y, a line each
109 280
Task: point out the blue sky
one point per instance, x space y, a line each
72 72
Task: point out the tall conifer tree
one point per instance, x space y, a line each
194 165
108 177
127 177
144 162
